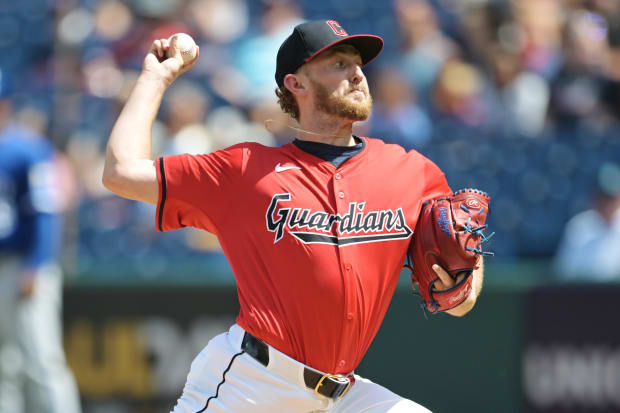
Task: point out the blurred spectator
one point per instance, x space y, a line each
229 126
87 161
424 47
524 94
254 58
219 21
34 376
220 26
396 117
539 26
185 110
611 90
268 124
485 25
458 95
112 20
590 248
578 87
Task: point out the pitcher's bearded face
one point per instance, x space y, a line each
338 84
354 103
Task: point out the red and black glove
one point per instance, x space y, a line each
450 233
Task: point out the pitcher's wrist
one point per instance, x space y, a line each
153 80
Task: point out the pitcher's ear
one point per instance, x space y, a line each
295 84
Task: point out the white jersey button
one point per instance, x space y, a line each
340 195
338 176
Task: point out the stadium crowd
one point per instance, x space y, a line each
519 98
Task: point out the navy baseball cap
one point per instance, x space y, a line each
310 39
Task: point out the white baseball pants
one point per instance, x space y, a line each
223 378
34 376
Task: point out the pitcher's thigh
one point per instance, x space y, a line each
223 379
369 397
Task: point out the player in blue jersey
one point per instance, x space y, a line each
34 376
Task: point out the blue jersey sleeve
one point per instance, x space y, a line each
44 193
30 195
45 243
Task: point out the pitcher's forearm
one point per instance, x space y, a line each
129 170
131 136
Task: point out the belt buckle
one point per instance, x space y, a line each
337 378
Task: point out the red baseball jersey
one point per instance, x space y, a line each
316 250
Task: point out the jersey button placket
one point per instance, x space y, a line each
342 206
338 184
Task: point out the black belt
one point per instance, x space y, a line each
328 385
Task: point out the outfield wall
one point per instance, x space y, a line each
552 348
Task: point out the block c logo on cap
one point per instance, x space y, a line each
337 28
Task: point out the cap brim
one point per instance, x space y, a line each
368 45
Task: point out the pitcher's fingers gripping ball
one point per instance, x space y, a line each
184 45
449 233
169 58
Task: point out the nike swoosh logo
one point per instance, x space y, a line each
280 168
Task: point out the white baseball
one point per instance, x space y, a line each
185 44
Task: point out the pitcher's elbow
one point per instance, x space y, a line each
109 179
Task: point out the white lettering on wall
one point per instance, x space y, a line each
571 376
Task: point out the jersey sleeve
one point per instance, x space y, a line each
45 210
197 190
436 183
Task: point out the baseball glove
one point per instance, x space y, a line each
450 233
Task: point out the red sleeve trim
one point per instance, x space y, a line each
162 194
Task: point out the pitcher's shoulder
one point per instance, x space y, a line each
257 148
390 150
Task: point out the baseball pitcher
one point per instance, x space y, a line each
316 231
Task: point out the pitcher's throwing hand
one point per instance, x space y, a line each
166 62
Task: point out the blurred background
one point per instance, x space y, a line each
518 98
